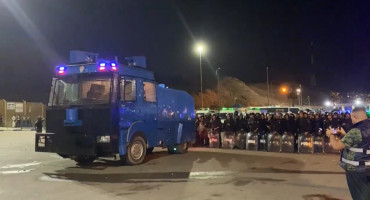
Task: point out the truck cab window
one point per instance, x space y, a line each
82 91
128 90
149 92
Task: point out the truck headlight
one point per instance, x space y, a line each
103 139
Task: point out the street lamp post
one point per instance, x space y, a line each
218 86
299 96
268 88
300 92
200 49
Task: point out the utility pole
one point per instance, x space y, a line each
218 86
300 96
268 87
201 77
308 101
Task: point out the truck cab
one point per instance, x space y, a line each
101 109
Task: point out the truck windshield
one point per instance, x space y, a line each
81 91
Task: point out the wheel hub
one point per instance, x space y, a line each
137 150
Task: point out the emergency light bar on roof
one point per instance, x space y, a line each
104 67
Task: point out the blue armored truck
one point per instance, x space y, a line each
99 108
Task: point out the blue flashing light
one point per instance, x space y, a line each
113 64
61 70
102 64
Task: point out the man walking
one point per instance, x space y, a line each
355 157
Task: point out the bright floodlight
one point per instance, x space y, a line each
200 48
328 103
283 90
358 102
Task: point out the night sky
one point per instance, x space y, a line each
243 37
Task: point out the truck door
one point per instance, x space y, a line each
148 107
127 109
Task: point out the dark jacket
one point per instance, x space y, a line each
317 125
335 123
291 126
38 125
303 125
262 125
275 125
228 125
239 124
347 124
328 123
216 124
252 124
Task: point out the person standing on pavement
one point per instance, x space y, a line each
303 124
216 127
229 124
14 121
355 156
38 124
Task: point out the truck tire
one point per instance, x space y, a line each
178 148
84 160
136 151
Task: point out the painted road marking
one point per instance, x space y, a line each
20 165
52 179
210 175
16 171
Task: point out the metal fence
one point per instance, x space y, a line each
22 110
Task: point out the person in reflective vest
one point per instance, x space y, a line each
355 156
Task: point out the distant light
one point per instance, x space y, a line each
284 90
328 103
358 102
298 90
174 149
102 64
61 68
113 64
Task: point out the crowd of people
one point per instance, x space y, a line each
18 121
301 123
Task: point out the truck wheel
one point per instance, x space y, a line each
136 151
84 160
179 148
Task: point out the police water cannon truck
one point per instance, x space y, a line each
100 108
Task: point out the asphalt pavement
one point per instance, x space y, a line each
200 174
